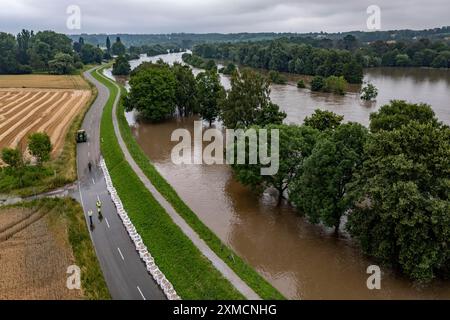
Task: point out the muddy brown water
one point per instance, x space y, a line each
301 260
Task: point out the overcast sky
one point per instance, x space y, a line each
225 16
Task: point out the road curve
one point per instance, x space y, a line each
125 274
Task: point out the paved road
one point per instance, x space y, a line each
124 272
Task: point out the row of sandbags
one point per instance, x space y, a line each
145 255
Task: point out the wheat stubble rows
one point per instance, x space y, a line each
24 111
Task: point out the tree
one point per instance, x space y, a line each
8 54
108 45
209 93
335 84
323 120
229 69
401 211
12 157
369 92
40 146
91 54
399 113
402 60
248 102
62 64
276 77
23 43
152 94
320 192
210 65
353 72
121 66
295 145
317 83
186 89
118 48
301 84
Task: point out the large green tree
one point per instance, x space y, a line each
62 64
295 144
121 67
209 94
323 120
398 113
91 54
320 192
40 147
152 94
186 89
8 55
248 102
118 48
401 214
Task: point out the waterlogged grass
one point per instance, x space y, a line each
264 289
193 276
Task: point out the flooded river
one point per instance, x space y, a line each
301 260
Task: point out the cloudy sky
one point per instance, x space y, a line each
201 16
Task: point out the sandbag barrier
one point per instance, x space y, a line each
144 254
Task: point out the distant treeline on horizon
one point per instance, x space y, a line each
187 40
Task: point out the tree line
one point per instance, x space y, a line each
387 185
45 51
325 57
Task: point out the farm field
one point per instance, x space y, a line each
38 242
34 256
24 111
43 81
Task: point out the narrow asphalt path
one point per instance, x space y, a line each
220 265
125 274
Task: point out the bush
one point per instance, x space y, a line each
276 77
301 84
317 83
335 84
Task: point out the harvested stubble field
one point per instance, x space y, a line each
43 81
34 256
39 103
38 242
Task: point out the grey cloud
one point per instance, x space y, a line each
163 16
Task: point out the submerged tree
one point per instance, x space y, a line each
152 94
401 214
295 145
369 92
248 102
320 192
186 90
209 94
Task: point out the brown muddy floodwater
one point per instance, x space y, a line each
301 260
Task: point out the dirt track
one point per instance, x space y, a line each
24 111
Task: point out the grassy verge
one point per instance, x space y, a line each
264 289
92 281
193 276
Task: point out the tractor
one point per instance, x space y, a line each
81 136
